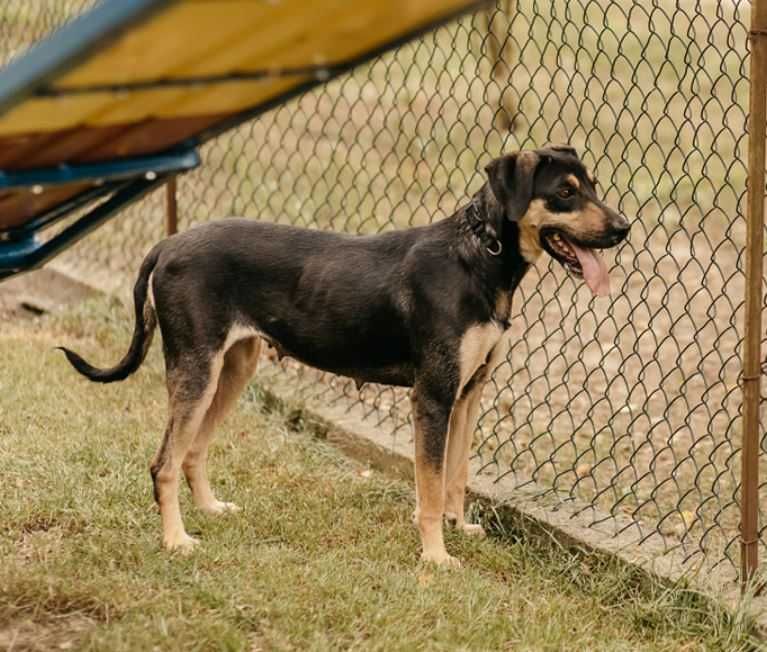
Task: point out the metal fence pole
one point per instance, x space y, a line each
749 542
171 207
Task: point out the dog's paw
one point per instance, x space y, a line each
183 543
473 530
219 507
469 529
441 558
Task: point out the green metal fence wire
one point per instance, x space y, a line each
628 406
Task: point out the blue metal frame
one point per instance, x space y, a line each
153 165
69 45
29 253
126 180
59 212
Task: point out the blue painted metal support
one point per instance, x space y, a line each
59 212
125 180
149 166
29 253
19 249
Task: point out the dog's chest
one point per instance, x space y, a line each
503 306
477 344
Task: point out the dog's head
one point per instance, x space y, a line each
552 198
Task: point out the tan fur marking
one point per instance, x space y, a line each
187 422
458 449
476 344
463 423
150 287
498 354
503 306
573 181
593 218
430 498
240 362
182 431
591 177
588 222
529 242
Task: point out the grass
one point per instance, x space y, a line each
322 557
654 96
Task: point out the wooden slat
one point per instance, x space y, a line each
89 145
205 37
19 206
172 40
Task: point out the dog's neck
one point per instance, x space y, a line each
492 240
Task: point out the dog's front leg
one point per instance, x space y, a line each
463 421
431 415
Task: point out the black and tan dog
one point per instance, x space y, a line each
425 308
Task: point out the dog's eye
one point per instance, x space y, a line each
566 192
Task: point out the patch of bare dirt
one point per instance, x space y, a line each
62 632
39 292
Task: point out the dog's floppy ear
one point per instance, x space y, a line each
564 149
511 180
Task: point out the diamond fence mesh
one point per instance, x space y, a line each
628 406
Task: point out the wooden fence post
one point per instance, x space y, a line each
171 207
752 336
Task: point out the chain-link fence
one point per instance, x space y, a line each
630 405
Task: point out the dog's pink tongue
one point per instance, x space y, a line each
594 270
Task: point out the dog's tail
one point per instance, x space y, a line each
146 321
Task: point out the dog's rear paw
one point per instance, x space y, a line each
219 507
441 558
473 530
183 544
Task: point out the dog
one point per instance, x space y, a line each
426 308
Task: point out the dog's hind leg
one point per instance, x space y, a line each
192 383
239 366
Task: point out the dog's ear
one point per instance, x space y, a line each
562 149
511 179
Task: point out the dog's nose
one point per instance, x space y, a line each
621 227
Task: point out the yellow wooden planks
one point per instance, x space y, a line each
194 38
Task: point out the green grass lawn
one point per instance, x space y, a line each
323 555
654 96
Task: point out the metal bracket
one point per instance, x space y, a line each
149 167
58 212
117 183
29 252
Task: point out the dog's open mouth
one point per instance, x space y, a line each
583 262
